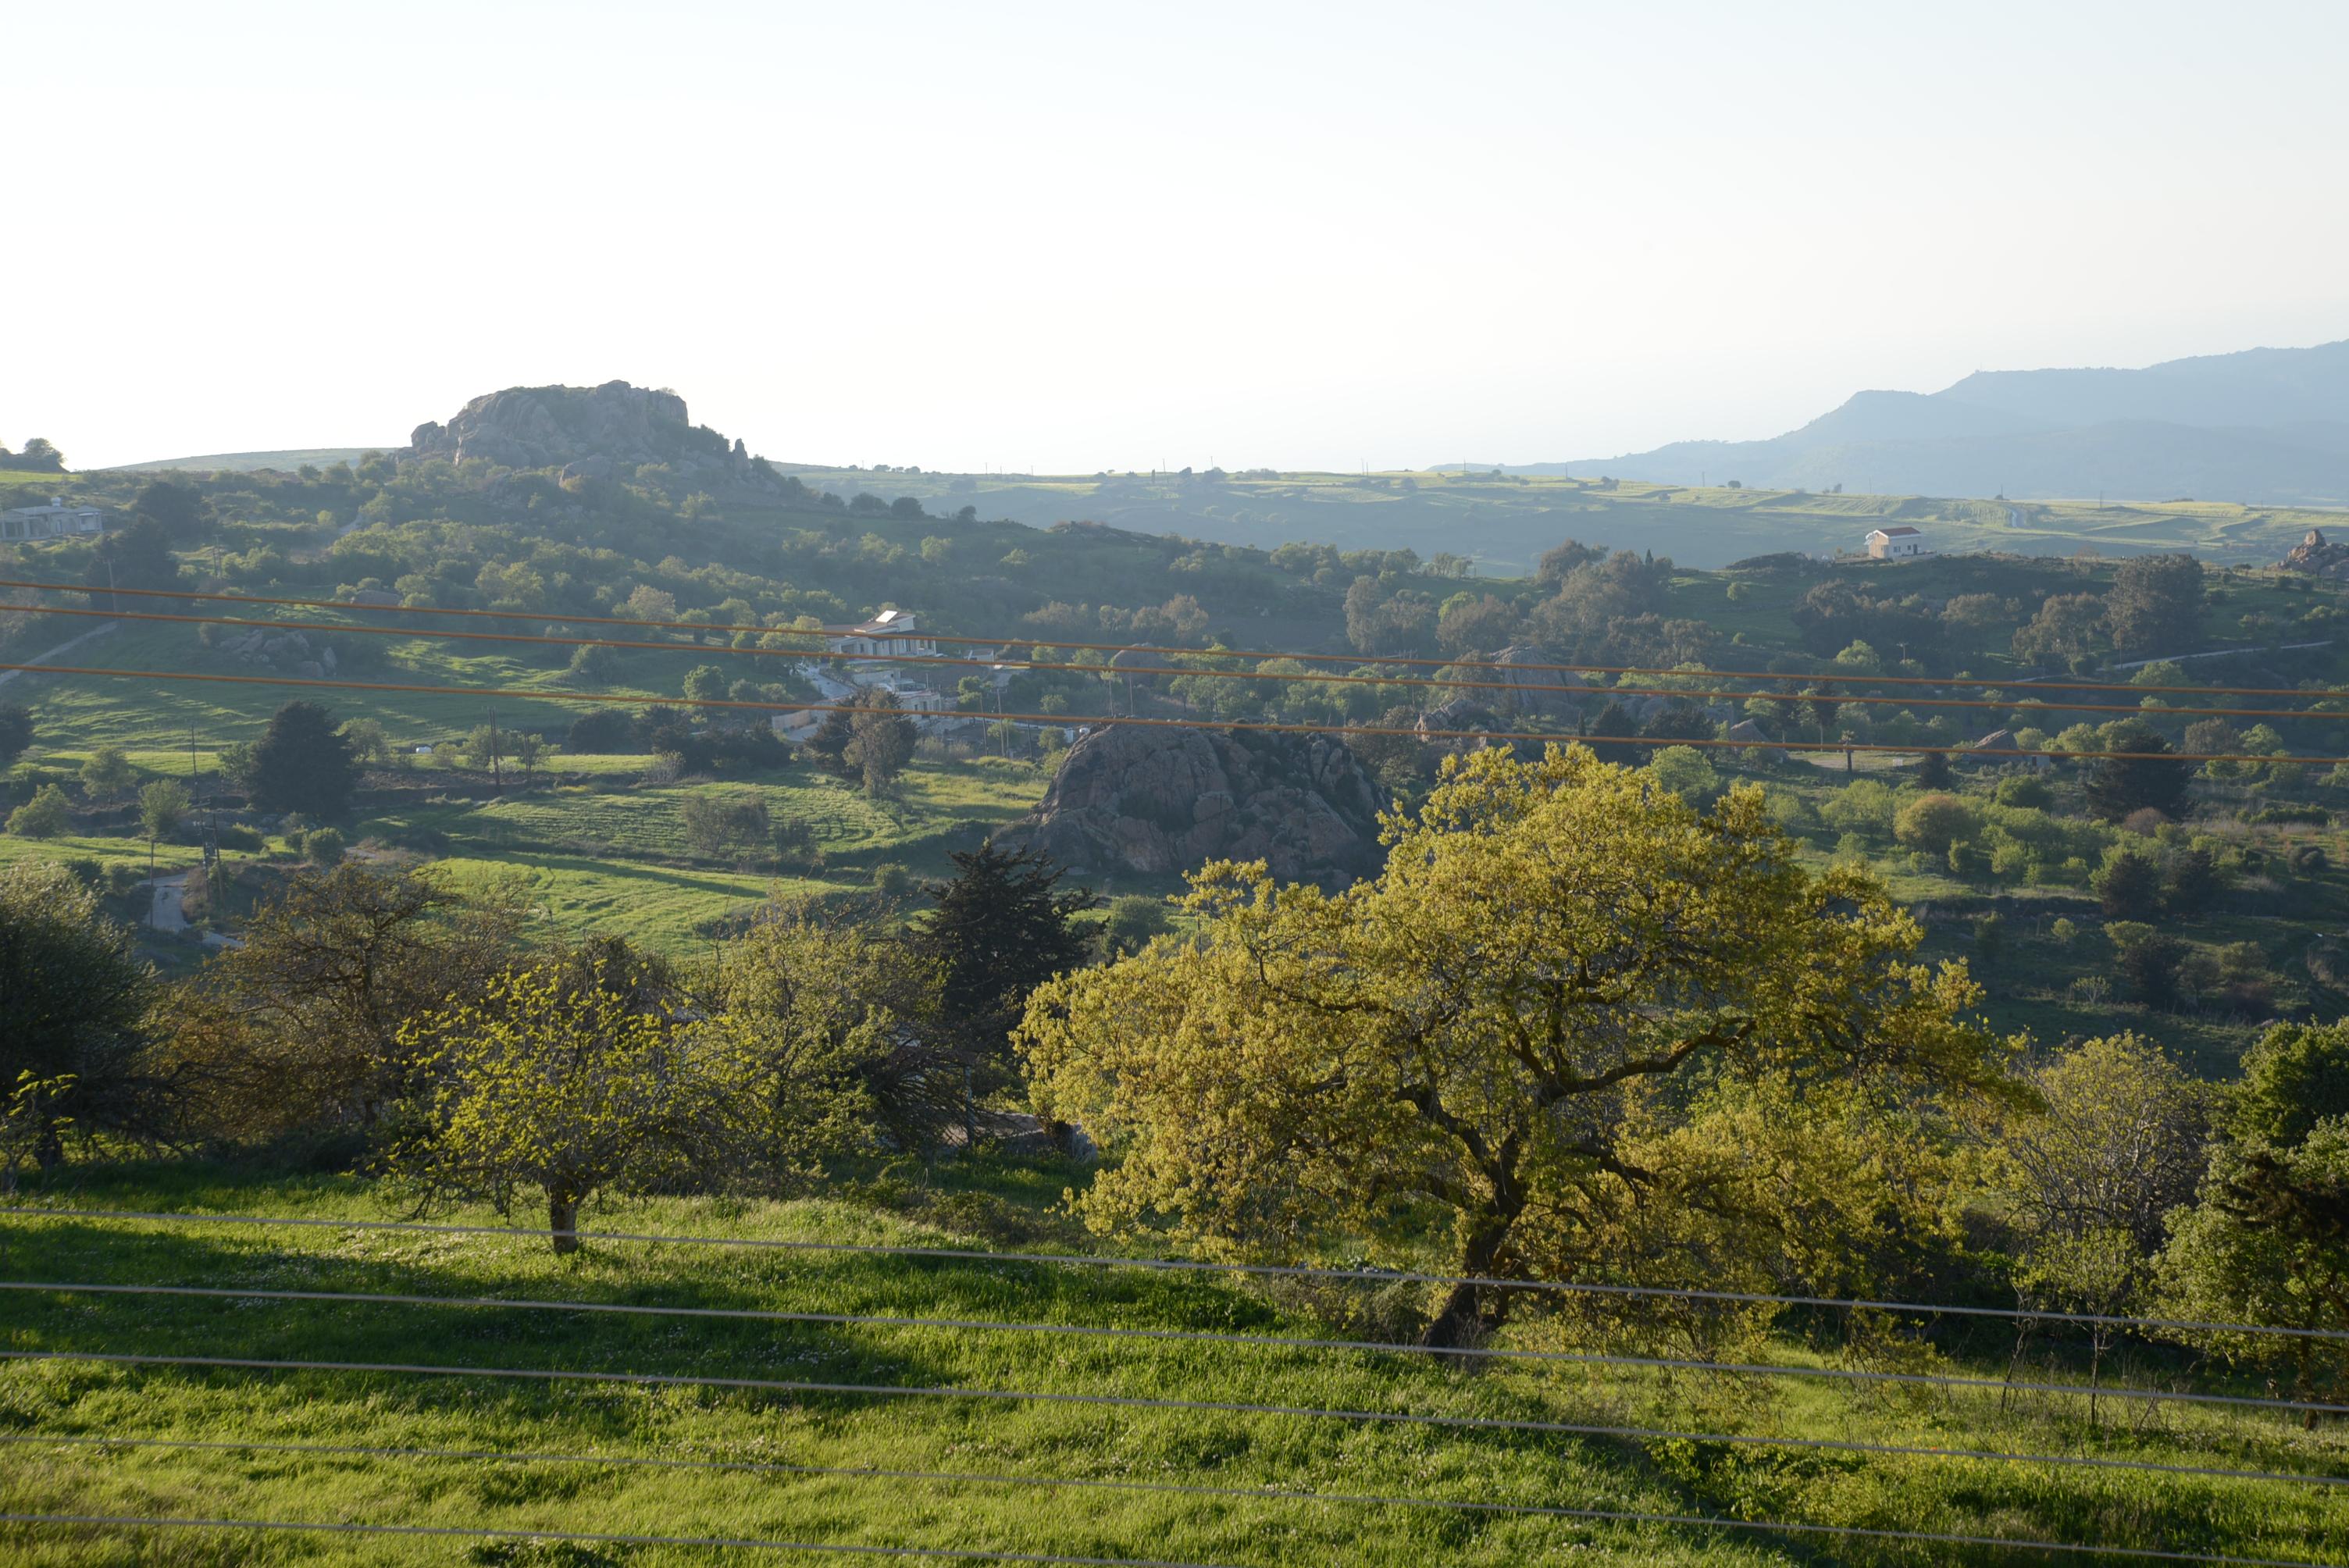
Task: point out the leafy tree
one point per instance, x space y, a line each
181 510
298 1030
163 805
2116 1144
2064 633
15 732
591 664
39 454
2024 790
1933 771
1596 1032
323 847
880 744
705 682
1131 922
42 817
74 1000
1559 561
1002 926
2155 601
485 748
843 1029
715 824
105 772
369 743
1933 822
136 556
602 731
2144 776
303 763
2268 1239
545 1086
530 750
1684 770
1469 624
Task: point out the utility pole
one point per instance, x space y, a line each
497 772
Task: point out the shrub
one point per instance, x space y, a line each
1933 822
43 817
2023 789
1864 805
892 880
323 847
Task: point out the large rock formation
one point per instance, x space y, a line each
1527 692
600 432
2318 556
1133 798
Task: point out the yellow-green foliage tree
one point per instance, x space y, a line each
1577 1028
545 1085
828 1031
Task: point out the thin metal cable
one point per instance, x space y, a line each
1186 1266
484 1532
708 628
1139 1402
1184 1335
1064 721
1175 1489
1310 677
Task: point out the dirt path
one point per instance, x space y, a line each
68 646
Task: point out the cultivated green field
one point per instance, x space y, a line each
1505 523
1131 1452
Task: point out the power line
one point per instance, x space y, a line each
1304 677
484 1532
706 628
1188 1265
1175 1489
1064 721
1187 1336
1177 1336
1140 1402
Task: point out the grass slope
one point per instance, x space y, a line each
1136 1448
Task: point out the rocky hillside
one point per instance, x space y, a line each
1128 798
600 432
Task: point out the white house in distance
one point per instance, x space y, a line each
891 634
1899 542
54 521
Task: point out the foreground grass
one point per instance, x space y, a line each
993 1203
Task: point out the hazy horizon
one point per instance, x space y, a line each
1050 239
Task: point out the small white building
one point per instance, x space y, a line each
891 634
54 521
1901 543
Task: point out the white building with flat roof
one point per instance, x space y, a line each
26 524
891 634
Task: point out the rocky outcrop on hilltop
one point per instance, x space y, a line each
2318 556
595 432
1130 797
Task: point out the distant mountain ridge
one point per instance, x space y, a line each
2266 426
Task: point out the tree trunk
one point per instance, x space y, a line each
1470 1311
49 1146
563 1222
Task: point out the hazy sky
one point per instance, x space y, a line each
1100 235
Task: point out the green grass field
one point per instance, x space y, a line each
1128 1451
